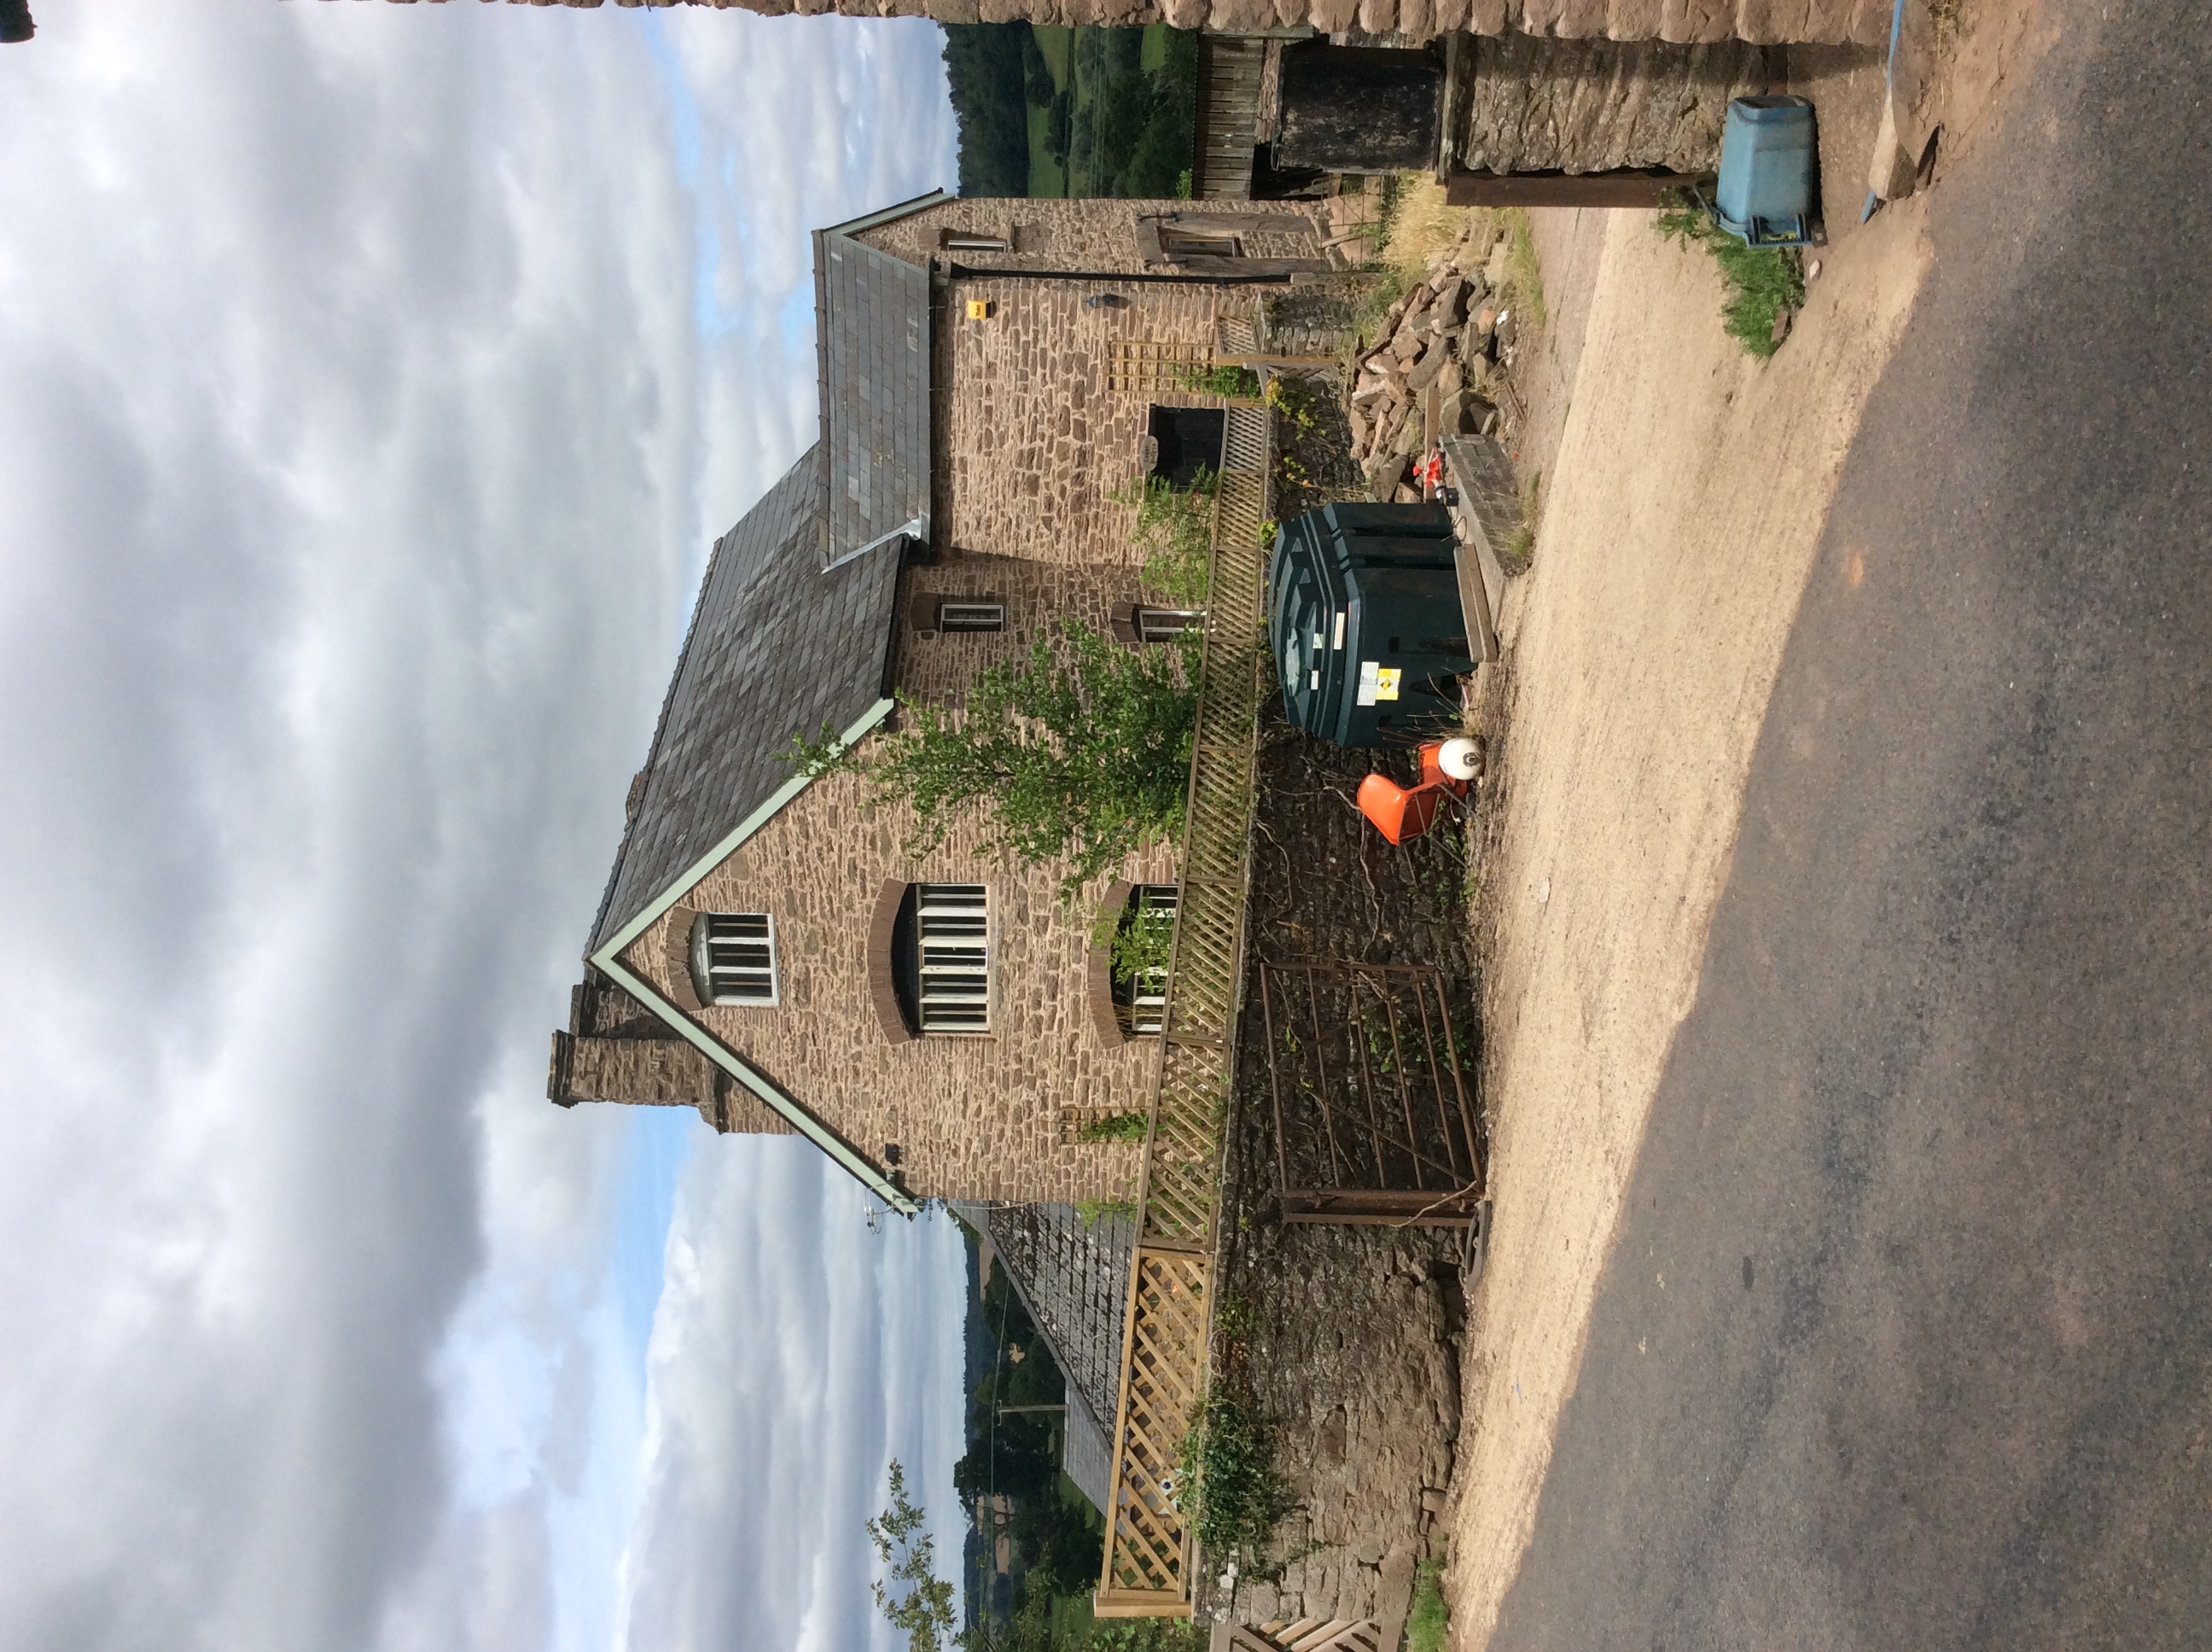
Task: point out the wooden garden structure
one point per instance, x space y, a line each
1163 1362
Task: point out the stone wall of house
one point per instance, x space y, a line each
1767 21
1037 425
1097 236
939 666
658 1072
1032 444
972 1117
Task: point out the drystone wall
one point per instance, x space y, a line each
1596 106
1764 21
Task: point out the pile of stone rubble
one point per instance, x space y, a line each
1437 372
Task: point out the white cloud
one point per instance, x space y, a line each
797 1353
361 431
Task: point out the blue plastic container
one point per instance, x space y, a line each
1765 196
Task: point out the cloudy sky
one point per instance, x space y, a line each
371 380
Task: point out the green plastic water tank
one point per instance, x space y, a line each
1364 617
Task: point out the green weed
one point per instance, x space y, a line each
1119 1126
1175 530
1233 382
1762 281
1430 1623
1226 1482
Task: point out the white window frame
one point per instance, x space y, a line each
972 617
952 943
1150 628
707 974
1146 1015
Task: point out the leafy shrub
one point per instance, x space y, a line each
1225 1480
1119 1126
1175 530
1081 752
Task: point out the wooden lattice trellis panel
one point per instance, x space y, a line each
1149 367
1160 1381
1309 1635
1163 1374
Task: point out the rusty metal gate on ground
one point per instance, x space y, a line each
1376 1120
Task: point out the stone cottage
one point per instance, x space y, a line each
992 373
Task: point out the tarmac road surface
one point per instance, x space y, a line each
1906 1337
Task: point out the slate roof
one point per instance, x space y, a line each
872 341
778 645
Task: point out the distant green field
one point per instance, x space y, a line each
1057 42
1047 179
1053 111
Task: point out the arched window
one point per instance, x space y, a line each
734 957
941 958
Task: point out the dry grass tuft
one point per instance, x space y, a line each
1421 224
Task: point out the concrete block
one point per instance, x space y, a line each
1770 23
1378 17
1487 16
1695 21
1869 24
1580 19
1417 19
1451 15
1634 20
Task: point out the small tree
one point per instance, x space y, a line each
1174 528
1082 750
925 1610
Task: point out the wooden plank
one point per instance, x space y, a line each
1475 600
1380 1207
1561 189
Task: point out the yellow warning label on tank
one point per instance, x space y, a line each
1378 682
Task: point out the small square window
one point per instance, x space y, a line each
1161 624
734 957
971 617
1181 243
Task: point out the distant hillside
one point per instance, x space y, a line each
984 62
1073 112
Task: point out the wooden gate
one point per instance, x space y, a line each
1148 1545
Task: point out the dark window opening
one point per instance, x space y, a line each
956 616
1188 441
1178 244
